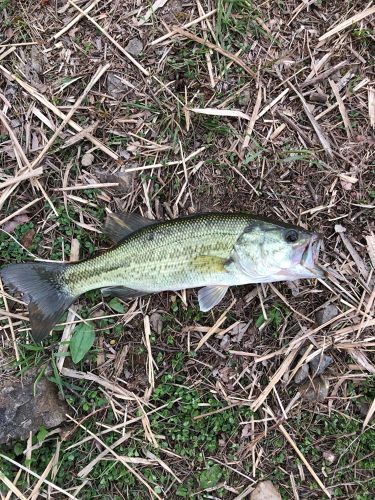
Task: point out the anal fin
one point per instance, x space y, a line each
210 296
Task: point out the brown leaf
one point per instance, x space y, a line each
27 238
11 225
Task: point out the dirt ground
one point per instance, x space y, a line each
168 108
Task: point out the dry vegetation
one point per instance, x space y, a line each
266 107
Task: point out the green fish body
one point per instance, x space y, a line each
211 250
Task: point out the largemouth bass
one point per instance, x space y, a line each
211 250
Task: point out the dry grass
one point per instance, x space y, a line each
228 107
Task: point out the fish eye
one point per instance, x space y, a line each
291 236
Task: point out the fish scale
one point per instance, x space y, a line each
164 262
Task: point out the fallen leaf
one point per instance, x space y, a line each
27 238
81 342
11 225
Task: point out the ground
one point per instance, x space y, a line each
268 111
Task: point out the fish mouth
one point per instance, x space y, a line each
310 256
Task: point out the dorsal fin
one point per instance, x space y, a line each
118 226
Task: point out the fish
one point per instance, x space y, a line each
210 251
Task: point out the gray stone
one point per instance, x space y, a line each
301 374
319 364
326 314
315 391
21 412
265 490
134 47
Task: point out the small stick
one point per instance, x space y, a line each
10 323
344 114
119 458
7 52
319 132
272 103
29 471
19 211
22 177
218 49
215 327
274 380
21 44
34 93
94 79
12 487
348 22
116 44
253 118
184 26
150 359
75 20
289 438
87 186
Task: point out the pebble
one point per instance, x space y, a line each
301 374
134 47
319 364
326 314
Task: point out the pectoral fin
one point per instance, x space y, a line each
209 263
122 292
210 296
118 226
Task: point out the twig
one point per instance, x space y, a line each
218 49
184 26
319 132
344 114
288 437
119 458
22 177
19 211
42 99
29 471
116 44
349 22
75 20
253 119
99 73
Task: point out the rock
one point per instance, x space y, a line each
125 179
319 364
87 159
225 343
22 413
115 87
326 314
265 490
315 391
301 374
134 47
156 322
329 456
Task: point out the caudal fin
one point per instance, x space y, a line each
44 290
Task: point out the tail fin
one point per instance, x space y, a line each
43 288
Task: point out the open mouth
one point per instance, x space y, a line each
310 256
